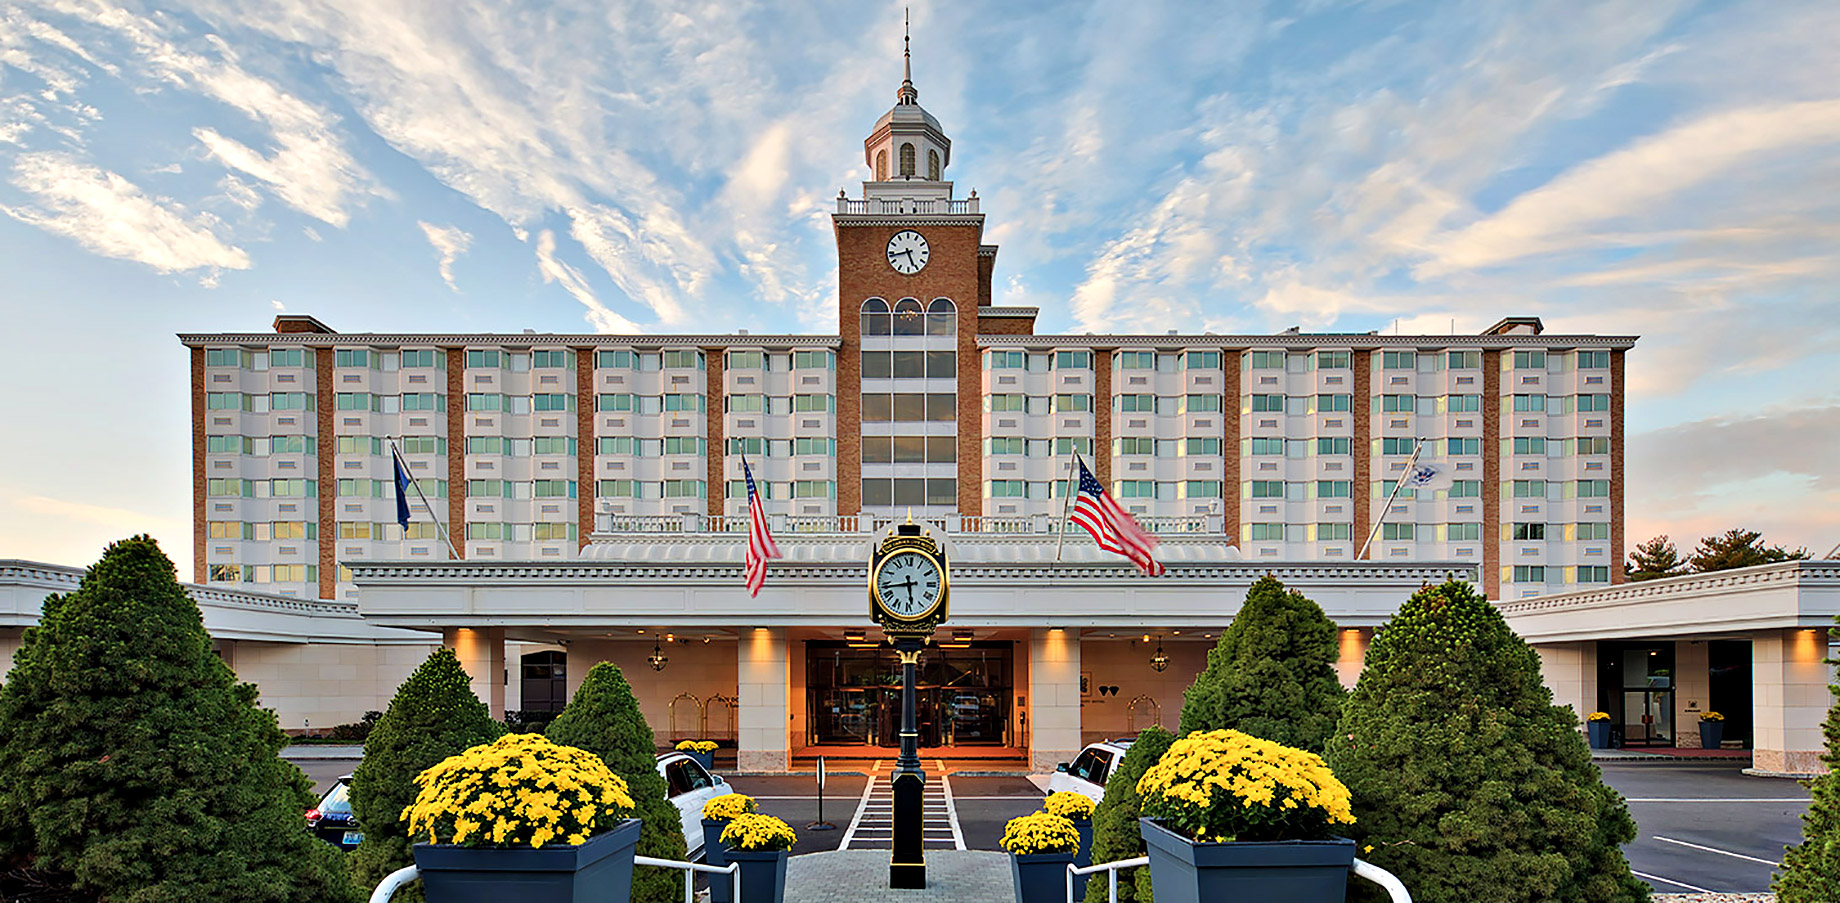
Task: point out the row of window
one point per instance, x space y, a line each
651 448
521 448
779 404
391 404
1538 573
264 573
780 448
651 489
908 317
260 446
650 404
779 362
520 532
1043 362
909 364
259 403
261 531
231 487
517 489
1553 490
909 407
648 361
786 489
909 492
909 449
248 359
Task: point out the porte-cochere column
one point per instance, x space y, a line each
763 685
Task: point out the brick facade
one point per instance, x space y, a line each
327 503
1361 419
714 362
200 522
1491 473
1617 528
1229 446
456 448
1102 416
584 445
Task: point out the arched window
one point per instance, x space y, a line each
908 320
942 317
932 165
875 318
907 161
881 165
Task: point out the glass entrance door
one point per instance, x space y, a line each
962 695
1648 695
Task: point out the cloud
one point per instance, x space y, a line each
111 216
600 316
449 243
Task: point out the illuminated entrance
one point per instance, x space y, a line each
854 694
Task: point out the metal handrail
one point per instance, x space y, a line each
396 879
1367 870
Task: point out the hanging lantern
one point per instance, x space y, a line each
1160 661
657 658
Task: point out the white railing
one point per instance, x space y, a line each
899 206
970 524
1367 870
396 879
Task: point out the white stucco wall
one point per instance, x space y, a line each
323 684
702 670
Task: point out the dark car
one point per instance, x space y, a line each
332 821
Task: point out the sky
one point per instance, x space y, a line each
1653 168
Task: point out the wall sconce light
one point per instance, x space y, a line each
1159 662
657 659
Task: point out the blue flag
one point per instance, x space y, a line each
402 491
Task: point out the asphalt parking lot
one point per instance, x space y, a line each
1699 828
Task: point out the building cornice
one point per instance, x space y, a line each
1824 574
1004 312
910 219
511 340
1311 342
1207 574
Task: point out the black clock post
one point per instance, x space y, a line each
907 866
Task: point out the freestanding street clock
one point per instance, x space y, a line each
908 591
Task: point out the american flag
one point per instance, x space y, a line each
1110 526
760 542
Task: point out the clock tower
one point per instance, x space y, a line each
912 273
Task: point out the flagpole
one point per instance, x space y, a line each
396 453
1067 506
1417 446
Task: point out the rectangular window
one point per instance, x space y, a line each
1399 360
422 357
1334 445
485 359
1265 532
1268 404
1007 445
684 445
553 489
1593 360
1591 531
746 360
1398 532
614 402
1529 360
814 360
548 359
1593 489
1333 489
1134 445
1463 360
1463 532
1529 489
1264 446
813 403
1593 573
1007 489
1594 445
1529 573
1468 445
1334 360
613 360
424 401
351 357
1525 404
1587 403
1334 532
1201 446
1397 445
1136 489
1332 403
1396 404
1466 489
684 489
1073 445
1529 445
1006 360
1201 403
1464 404
1202 360
1267 489
547 402
1137 404
614 489
683 360
1070 403
1201 489
1529 532
683 402
1265 360
1135 360
484 401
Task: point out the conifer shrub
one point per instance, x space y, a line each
133 761
1272 674
434 715
1468 783
604 718
1115 831
1810 870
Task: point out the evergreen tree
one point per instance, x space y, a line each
1810 870
1116 834
1738 548
132 759
1654 559
1469 784
434 715
604 718
1272 674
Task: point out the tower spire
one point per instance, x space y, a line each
908 93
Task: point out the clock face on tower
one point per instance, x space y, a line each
907 252
908 584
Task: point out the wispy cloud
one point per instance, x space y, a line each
111 216
571 280
449 243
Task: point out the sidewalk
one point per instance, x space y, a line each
306 751
849 876
1673 754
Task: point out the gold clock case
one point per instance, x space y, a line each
926 547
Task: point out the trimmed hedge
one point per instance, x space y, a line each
1272 674
1810 870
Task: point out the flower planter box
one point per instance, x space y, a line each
1711 734
1599 732
705 759
1042 877
600 869
716 854
1293 871
1083 857
763 874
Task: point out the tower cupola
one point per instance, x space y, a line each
907 142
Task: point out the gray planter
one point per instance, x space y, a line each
598 870
1041 877
1599 732
1711 734
716 854
1292 871
705 759
1083 858
763 874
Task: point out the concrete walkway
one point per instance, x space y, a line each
849 876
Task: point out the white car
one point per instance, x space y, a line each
688 787
1087 772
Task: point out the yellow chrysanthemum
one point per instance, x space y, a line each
1227 784
1040 832
510 793
728 806
1067 804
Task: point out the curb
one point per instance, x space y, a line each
1789 775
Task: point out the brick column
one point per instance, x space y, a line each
1054 698
714 391
1617 537
200 507
849 410
763 689
326 503
481 651
1229 444
1789 700
1102 420
969 384
584 445
1361 419
1491 474
456 448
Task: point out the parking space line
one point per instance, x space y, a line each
1695 846
1648 877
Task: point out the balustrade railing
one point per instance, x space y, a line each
900 206
1037 525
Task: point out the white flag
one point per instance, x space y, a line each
1427 475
